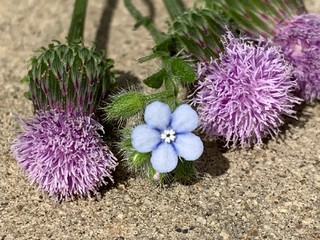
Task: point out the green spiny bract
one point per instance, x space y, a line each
198 31
70 77
257 17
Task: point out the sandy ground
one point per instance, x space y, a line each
269 192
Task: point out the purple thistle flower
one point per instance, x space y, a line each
299 39
243 96
64 154
288 25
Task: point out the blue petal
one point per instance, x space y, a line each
157 115
164 159
144 138
184 119
188 146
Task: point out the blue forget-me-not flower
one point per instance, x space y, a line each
168 135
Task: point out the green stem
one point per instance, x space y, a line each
170 86
175 8
142 20
159 95
78 20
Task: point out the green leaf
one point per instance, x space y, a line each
109 63
25 79
148 57
165 45
183 71
26 95
156 80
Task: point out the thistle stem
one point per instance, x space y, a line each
78 21
143 20
175 8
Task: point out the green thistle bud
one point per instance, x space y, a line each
69 76
125 105
257 17
128 104
199 32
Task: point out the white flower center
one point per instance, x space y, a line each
168 135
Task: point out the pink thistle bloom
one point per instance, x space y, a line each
64 154
288 25
243 96
299 39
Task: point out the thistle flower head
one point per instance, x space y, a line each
69 77
299 39
63 154
243 95
288 26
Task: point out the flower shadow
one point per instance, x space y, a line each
120 176
212 161
303 115
127 80
103 31
112 136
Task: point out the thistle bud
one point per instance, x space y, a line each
198 31
257 17
69 77
125 105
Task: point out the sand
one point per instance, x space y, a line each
268 192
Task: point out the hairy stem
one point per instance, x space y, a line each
78 19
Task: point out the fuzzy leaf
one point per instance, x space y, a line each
165 45
148 57
26 95
25 79
183 71
156 80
